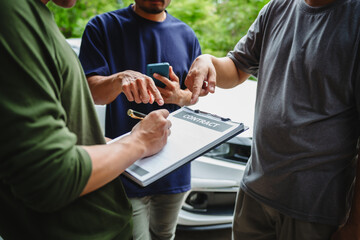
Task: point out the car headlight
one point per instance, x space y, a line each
220 150
236 149
197 200
212 203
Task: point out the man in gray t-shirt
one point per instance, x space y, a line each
306 55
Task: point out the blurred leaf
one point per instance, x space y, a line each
218 24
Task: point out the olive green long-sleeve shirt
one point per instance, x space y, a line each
46 112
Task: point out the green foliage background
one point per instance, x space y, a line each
218 24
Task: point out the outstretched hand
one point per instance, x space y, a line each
140 88
201 78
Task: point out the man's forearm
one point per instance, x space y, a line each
148 137
227 74
109 161
135 85
104 89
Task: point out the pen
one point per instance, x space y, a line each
136 115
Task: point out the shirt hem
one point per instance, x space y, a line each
289 212
169 191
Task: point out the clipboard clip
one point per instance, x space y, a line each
213 115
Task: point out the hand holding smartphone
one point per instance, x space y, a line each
159 68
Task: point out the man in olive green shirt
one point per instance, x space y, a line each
58 179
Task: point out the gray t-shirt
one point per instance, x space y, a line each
306 125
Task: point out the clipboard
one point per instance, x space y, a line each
193 133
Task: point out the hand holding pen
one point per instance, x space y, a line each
152 131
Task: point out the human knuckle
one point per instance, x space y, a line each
139 80
125 86
133 83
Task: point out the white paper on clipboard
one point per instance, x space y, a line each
192 134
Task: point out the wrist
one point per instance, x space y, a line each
185 99
117 80
135 148
140 147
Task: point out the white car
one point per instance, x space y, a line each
215 176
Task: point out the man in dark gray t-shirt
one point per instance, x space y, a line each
299 181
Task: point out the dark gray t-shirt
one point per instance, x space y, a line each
306 125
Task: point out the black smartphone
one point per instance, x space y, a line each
159 68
